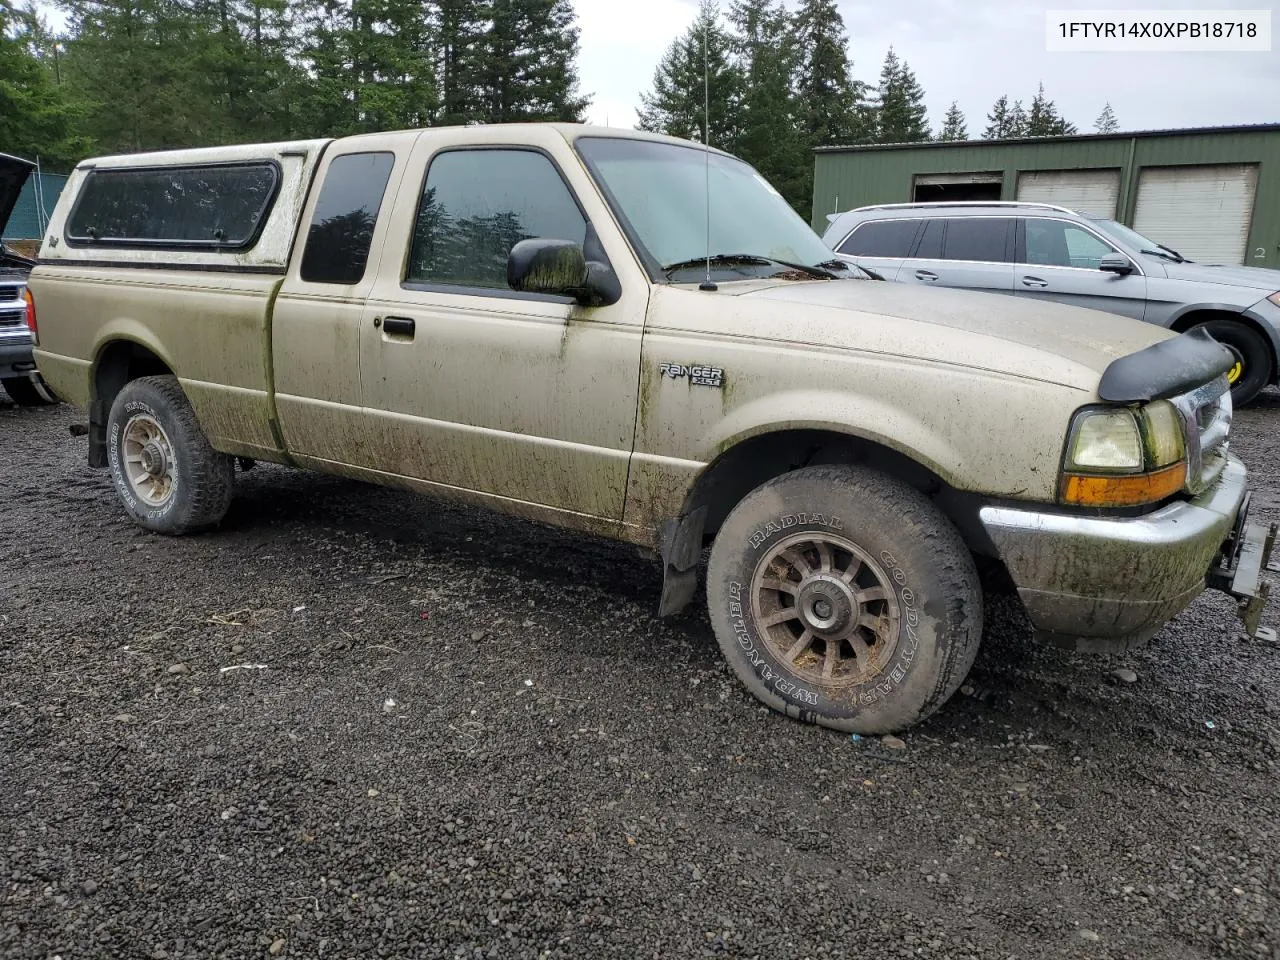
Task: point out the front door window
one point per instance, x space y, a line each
478 204
1057 243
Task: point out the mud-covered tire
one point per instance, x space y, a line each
918 641
196 490
1254 364
29 391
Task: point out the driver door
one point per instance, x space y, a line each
1059 260
472 385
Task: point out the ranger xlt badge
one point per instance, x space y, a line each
698 376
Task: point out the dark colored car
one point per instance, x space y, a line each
17 367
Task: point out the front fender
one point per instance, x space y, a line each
1180 315
862 416
1264 314
1267 315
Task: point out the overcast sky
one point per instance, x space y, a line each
971 51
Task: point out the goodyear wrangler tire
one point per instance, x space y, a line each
845 598
169 477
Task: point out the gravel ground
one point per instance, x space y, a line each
447 734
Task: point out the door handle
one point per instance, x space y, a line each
1034 282
398 326
926 275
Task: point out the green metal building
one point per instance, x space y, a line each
1212 193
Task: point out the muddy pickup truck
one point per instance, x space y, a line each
548 321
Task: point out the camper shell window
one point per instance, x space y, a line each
194 207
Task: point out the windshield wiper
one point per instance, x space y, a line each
1181 258
845 265
1163 255
747 258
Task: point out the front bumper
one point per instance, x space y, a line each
16 359
1105 584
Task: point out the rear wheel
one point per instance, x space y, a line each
1253 363
843 597
29 391
169 477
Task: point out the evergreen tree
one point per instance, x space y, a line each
1018 120
372 65
526 63
675 105
38 119
1006 122
998 120
1044 120
833 107
901 116
252 64
458 25
953 125
140 68
1106 122
770 139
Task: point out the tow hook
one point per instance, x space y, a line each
1241 576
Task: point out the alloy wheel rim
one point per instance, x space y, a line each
1236 372
148 459
826 608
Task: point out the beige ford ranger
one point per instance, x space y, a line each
553 321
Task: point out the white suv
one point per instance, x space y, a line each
1048 252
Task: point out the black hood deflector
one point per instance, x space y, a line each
1165 369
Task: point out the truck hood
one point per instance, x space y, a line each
14 172
1046 340
1257 278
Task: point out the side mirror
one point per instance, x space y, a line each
1116 263
560 268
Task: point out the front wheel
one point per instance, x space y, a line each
169 477
845 598
1252 369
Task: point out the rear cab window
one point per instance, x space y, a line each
201 206
228 209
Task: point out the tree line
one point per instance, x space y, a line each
779 82
130 75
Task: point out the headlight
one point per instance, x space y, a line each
1124 456
1105 440
1275 298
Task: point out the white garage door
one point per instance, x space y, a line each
1086 191
1202 212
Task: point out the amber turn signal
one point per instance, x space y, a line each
1129 490
31 314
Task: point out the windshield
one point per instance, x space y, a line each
659 190
1127 235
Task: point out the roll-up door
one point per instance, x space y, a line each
1085 191
1202 212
